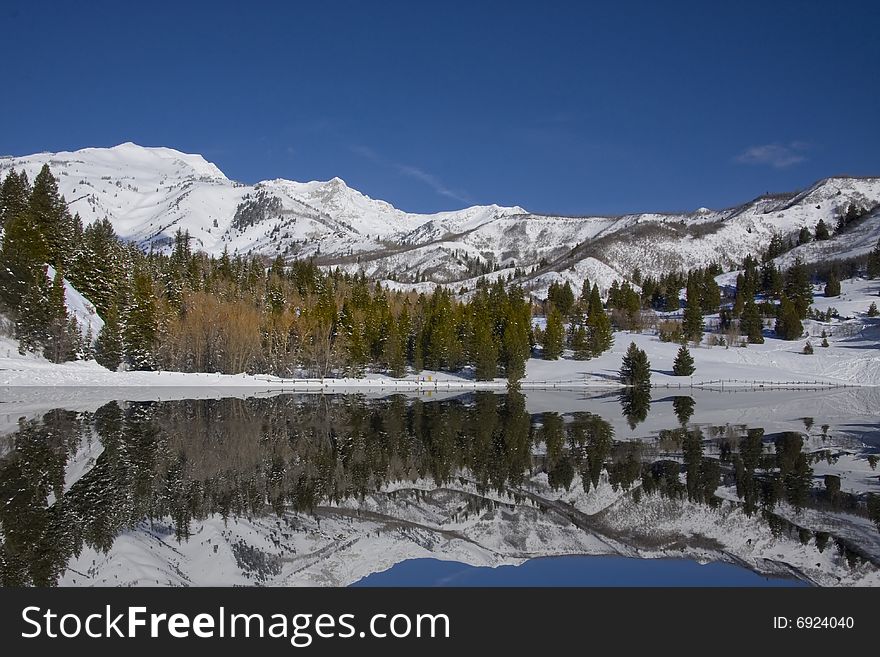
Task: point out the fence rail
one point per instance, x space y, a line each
426 383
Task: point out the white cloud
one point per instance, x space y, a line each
410 171
778 156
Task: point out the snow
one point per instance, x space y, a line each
343 543
150 193
80 307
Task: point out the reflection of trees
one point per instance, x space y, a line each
635 402
186 460
582 445
684 408
33 537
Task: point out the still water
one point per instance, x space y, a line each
702 489
574 571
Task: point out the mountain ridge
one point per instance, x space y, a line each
148 193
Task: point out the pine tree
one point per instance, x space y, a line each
599 332
14 194
751 324
564 299
684 362
832 286
822 231
710 294
808 348
484 351
61 337
874 261
554 335
516 349
395 348
34 316
692 326
97 269
635 369
580 344
51 219
140 328
583 301
788 323
798 287
88 344
108 347
23 250
804 236
872 310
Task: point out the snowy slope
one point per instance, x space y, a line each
343 543
78 306
150 193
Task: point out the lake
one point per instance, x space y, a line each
214 487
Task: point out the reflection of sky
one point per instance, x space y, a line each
573 571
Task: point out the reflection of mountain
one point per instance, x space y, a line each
325 490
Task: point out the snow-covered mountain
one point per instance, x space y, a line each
148 193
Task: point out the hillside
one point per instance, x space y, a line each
150 193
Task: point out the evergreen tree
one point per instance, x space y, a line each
23 250
88 344
554 335
671 301
140 328
635 369
14 194
692 326
874 261
561 297
580 344
751 324
832 286
395 349
788 323
873 506
583 301
62 336
516 350
710 294
108 347
822 231
872 310
34 314
798 287
804 236
808 348
772 281
52 220
484 351
600 336
684 362
97 269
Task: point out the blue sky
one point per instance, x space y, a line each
568 107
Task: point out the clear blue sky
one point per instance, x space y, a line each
570 107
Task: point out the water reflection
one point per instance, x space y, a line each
181 462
